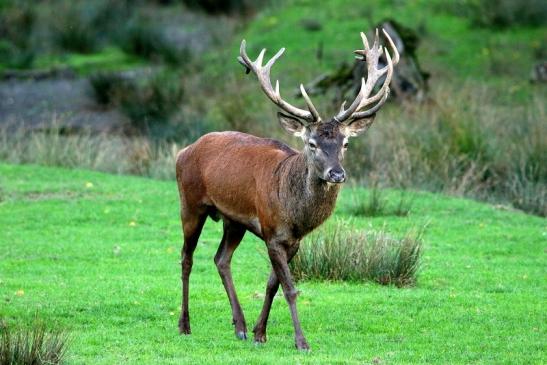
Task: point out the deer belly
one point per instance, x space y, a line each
242 216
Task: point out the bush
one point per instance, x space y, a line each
152 101
73 29
501 13
34 346
83 26
147 101
147 40
17 22
105 86
342 254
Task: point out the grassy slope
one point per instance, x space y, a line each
480 297
450 45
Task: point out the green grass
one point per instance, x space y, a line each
97 255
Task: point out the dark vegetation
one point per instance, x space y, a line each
341 253
501 13
36 345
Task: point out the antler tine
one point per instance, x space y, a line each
393 47
381 95
263 75
371 55
310 105
344 114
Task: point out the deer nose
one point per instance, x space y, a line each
337 175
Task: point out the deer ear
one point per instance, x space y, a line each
291 124
359 126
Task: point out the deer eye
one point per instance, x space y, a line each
312 145
346 145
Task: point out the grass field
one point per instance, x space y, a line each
98 255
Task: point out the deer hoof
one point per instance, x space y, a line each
241 335
260 338
302 345
184 327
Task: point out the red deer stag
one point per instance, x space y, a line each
265 187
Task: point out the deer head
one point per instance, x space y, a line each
326 142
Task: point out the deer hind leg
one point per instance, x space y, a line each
233 234
272 287
192 225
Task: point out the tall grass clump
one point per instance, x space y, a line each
376 202
349 255
33 346
102 152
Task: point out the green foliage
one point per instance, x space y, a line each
33 346
149 101
152 101
145 39
100 254
17 20
105 86
84 26
345 254
501 13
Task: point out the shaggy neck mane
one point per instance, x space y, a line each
308 200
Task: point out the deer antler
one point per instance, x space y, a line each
371 56
263 73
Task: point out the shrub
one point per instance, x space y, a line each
148 101
105 86
342 254
144 39
17 20
82 26
34 346
73 29
151 102
501 13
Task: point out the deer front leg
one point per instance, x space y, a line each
278 252
271 289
